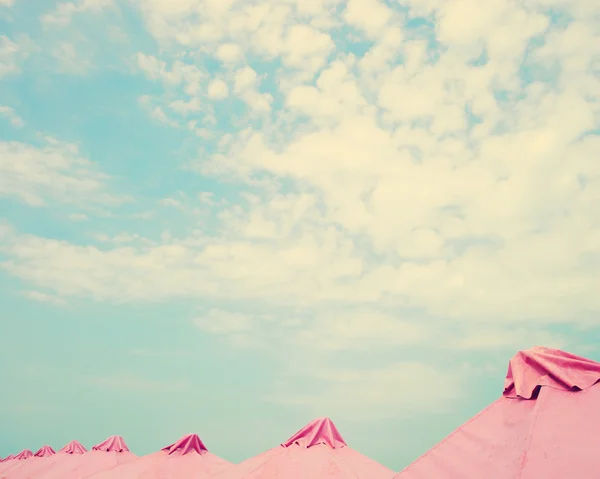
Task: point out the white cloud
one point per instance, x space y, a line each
383 389
78 217
12 53
229 53
11 115
246 86
224 322
7 3
52 172
69 61
63 15
45 298
218 89
371 16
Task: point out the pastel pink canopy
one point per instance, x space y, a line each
73 462
187 458
316 451
545 425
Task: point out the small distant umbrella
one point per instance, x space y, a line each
23 469
6 462
67 455
108 454
15 462
187 458
317 451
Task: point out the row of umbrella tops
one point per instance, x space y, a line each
545 424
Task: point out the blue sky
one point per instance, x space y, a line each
230 217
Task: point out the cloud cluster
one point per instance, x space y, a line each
408 178
54 171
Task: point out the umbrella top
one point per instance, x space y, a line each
190 443
74 447
319 431
533 368
112 444
24 454
45 451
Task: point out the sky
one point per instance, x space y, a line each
230 217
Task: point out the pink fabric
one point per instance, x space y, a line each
40 465
187 458
8 462
45 451
319 431
185 445
18 468
24 454
74 447
553 435
536 367
105 455
112 444
316 451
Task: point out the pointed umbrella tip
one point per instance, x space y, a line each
190 443
24 454
112 444
45 451
533 368
319 431
74 447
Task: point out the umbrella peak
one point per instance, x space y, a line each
24 454
45 451
539 366
8 458
190 443
319 431
74 447
112 444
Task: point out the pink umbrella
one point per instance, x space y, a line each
105 455
316 451
47 462
16 461
19 469
545 425
7 462
187 458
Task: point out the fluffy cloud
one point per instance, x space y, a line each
218 89
12 53
11 115
52 172
64 12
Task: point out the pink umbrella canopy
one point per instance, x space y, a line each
316 451
43 461
15 462
187 458
35 460
7 462
108 454
545 425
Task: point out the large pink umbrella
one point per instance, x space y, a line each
187 458
20 468
316 451
545 425
105 455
